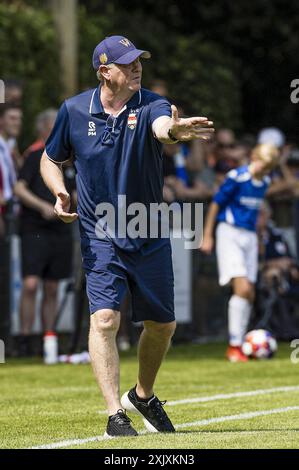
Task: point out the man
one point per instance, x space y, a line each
1 206
14 92
46 244
235 207
10 128
43 127
115 133
278 282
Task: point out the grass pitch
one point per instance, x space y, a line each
61 405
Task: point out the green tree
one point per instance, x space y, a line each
29 52
200 74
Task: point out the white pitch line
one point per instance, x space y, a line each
249 415
203 422
227 396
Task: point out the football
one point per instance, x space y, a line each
259 344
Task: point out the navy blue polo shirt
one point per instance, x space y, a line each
113 156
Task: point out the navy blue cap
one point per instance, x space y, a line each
116 50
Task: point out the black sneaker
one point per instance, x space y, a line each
154 417
119 425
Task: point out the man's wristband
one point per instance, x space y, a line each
172 137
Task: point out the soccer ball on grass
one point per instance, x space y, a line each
259 344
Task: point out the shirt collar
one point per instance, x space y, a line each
96 107
135 100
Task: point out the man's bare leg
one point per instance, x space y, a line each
104 325
153 345
27 305
49 304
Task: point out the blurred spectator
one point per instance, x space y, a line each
278 283
177 182
218 154
248 141
46 240
284 192
274 251
239 155
159 87
13 92
14 96
271 135
10 127
44 123
2 226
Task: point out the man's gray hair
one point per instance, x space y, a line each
43 118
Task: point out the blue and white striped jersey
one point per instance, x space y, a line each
240 197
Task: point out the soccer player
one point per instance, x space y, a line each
115 134
235 207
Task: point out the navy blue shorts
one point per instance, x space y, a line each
148 273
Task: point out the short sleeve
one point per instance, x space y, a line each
58 145
226 191
158 108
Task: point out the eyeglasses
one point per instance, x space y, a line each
107 137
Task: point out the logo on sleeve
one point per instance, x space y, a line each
132 121
91 128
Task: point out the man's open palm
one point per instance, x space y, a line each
185 129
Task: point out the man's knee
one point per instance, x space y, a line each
164 330
30 285
104 321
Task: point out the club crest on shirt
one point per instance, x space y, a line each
132 121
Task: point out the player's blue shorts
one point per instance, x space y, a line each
148 273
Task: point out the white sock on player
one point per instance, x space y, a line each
239 310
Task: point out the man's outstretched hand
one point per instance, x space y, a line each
185 129
62 207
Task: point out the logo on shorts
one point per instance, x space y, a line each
91 128
132 121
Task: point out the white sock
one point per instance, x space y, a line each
239 310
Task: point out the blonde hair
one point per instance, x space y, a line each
267 153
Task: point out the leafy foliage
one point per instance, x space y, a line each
199 74
29 52
233 61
